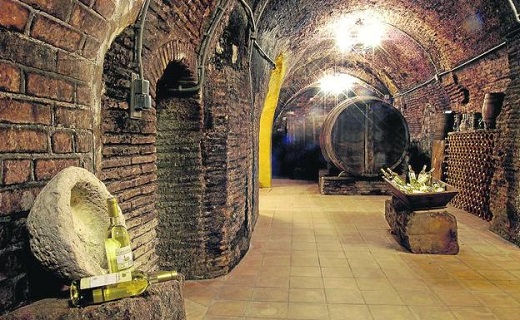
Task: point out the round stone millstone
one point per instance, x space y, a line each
68 222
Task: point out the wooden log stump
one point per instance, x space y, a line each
422 231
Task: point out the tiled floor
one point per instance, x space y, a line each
332 257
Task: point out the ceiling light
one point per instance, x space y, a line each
336 83
358 32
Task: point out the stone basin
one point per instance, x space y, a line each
67 224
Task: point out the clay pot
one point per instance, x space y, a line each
491 108
443 124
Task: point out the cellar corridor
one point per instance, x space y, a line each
332 257
195 114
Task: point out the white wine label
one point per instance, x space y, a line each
105 279
124 258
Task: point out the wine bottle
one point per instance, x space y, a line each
411 175
117 241
87 291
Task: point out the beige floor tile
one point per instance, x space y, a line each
304 246
202 295
298 271
409 284
303 311
267 310
227 308
341 295
270 294
432 313
273 271
277 260
331 254
246 269
513 266
306 282
496 299
222 318
508 285
349 312
275 245
373 284
336 272
360 272
344 283
241 280
334 262
194 311
480 285
474 313
493 274
444 284
391 312
252 259
382 297
506 313
281 281
329 246
458 298
305 261
235 293
307 295
419 298
327 238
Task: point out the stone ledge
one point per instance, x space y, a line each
161 301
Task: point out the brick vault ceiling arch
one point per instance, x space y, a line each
427 37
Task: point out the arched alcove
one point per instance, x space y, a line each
179 175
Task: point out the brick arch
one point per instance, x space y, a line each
297 81
177 51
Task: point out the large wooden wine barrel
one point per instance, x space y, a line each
363 134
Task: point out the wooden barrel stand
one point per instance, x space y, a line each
423 231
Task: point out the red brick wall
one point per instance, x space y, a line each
48 67
128 153
63 102
505 186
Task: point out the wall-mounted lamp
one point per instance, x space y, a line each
139 96
139 88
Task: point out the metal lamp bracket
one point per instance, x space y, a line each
139 96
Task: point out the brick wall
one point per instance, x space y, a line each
462 91
128 166
505 186
204 165
53 115
46 69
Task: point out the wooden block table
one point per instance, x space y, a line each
422 231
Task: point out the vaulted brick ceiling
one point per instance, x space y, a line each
423 38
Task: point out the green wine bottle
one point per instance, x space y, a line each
117 241
99 289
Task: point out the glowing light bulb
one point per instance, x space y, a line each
358 32
371 33
336 83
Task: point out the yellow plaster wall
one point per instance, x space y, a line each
266 123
